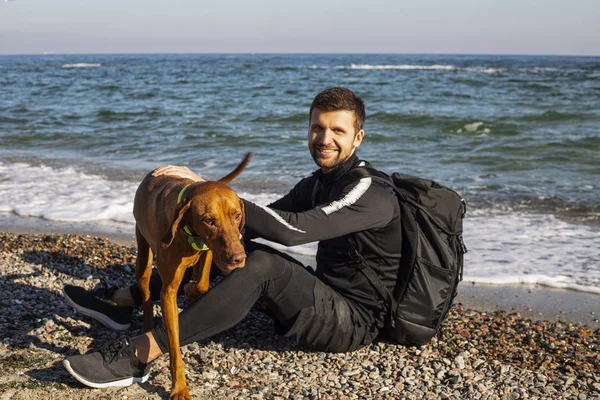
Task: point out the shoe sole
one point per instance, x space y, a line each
119 383
98 316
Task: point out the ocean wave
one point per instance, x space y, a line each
64 194
402 67
297 118
552 115
106 115
479 69
557 282
514 247
412 67
82 65
418 119
484 70
506 246
9 120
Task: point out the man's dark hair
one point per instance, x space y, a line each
340 98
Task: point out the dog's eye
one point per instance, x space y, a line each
209 221
238 217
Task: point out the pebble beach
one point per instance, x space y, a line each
480 355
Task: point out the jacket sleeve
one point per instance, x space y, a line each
298 199
361 205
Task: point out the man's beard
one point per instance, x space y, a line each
329 163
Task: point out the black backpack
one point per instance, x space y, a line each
431 265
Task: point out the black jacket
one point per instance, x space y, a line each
334 209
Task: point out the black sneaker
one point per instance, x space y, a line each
115 365
97 304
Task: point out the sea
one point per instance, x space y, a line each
517 136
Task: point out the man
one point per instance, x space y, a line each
333 309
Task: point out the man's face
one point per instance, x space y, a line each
332 137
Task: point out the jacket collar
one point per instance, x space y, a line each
332 176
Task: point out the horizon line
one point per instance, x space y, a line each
50 53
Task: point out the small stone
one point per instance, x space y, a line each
482 388
541 377
211 374
460 362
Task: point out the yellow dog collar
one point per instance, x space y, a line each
195 242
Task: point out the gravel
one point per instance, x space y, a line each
480 355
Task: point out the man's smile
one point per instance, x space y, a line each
325 151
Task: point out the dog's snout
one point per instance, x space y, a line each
238 259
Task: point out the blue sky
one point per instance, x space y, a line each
310 26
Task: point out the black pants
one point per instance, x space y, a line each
313 314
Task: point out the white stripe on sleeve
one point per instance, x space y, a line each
349 199
279 219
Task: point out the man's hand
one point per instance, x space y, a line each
177 170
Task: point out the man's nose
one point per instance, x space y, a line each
326 136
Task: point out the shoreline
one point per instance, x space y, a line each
536 302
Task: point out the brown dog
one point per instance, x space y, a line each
185 224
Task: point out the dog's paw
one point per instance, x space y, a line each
183 394
191 291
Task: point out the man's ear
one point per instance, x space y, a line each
358 138
174 227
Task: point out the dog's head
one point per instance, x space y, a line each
215 213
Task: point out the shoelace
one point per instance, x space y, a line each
115 350
105 292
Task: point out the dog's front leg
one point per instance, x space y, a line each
200 277
143 271
171 275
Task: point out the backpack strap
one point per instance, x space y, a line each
365 171
382 290
370 274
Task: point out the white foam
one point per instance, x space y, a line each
514 247
537 70
403 67
556 282
82 65
473 127
410 67
64 194
484 70
505 247
473 69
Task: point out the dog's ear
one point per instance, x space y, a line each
174 227
243 216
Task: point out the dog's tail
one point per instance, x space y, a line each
229 177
